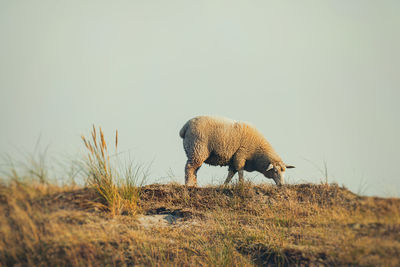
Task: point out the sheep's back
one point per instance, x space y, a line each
221 136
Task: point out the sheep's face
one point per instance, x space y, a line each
276 171
277 175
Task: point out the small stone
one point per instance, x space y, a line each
355 226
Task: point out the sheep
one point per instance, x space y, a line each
225 142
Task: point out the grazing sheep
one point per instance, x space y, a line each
224 142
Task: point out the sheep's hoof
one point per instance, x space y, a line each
191 184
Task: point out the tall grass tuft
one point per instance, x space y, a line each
118 190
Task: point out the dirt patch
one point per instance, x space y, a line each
157 220
164 217
179 213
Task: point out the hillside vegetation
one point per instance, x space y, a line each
113 221
237 225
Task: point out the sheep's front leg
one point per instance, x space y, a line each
238 164
241 179
231 173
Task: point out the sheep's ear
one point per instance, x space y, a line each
270 167
290 167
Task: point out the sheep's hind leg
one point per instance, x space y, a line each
190 173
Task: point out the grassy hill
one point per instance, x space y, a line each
114 222
242 225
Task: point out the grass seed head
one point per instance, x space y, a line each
116 139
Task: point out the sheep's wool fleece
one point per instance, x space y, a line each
215 140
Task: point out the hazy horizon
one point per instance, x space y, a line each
319 79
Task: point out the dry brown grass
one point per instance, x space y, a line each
115 222
238 225
119 192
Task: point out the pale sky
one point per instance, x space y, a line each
320 79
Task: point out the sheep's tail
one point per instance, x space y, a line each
182 132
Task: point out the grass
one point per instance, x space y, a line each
215 226
119 192
244 224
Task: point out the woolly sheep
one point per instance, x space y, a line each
225 142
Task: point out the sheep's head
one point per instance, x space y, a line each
276 171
